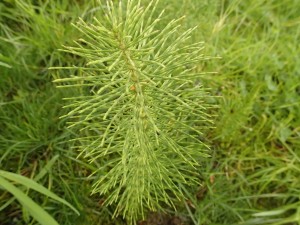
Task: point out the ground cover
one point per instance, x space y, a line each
252 176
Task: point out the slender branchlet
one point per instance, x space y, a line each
141 107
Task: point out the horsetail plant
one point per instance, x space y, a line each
140 107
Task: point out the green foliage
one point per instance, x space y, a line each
36 211
141 107
253 174
30 132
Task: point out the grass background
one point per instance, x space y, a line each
253 176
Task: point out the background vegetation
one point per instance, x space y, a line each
253 174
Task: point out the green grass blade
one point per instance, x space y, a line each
47 167
35 186
4 65
36 211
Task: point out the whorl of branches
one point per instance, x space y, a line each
141 107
